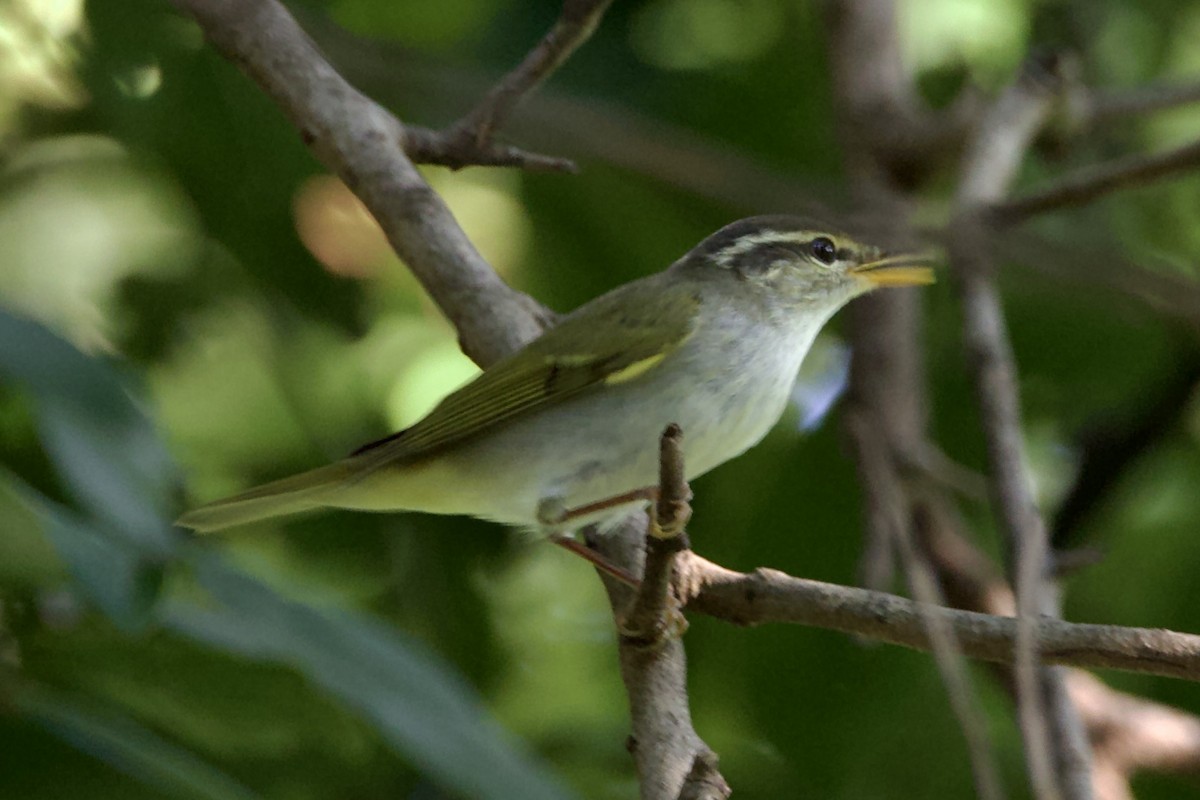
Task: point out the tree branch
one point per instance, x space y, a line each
767 595
1140 101
574 26
1128 733
887 142
1089 184
672 760
1055 748
471 140
360 141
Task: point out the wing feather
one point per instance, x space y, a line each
548 371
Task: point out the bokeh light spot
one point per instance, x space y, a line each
701 34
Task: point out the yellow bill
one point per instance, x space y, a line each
905 269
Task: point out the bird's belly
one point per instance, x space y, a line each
598 445
565 456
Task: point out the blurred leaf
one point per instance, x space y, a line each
122 582
101 443
421 708
131 748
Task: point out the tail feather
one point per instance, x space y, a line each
301 492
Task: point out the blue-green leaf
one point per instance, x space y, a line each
130 747
414 700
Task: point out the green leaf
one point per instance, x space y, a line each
103 446
425 712
130 748
114 575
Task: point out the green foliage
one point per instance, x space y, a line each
189 308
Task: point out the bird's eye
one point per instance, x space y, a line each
823 250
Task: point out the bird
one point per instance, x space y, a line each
564 432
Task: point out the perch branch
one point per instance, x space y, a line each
767 595
672 760
649 618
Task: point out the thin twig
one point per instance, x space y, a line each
1094 182
1141 101
650 617
1128 733
1095 262
878 473
588 126
425 146
1057 763
574 26
471 140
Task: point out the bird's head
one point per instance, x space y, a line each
796 263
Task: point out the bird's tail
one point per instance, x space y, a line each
301 492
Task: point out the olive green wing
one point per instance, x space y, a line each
641 328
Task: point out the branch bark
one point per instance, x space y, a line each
576 23
673 761
1128 734
767 595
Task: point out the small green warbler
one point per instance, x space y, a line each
713 343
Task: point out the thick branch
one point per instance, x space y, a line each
671 758
362 143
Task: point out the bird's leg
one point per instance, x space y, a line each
553 514
567 542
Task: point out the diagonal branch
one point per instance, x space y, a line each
574 26
1129 734
471 140
360 141
1094 182
1140 101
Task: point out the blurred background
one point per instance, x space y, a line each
190 305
